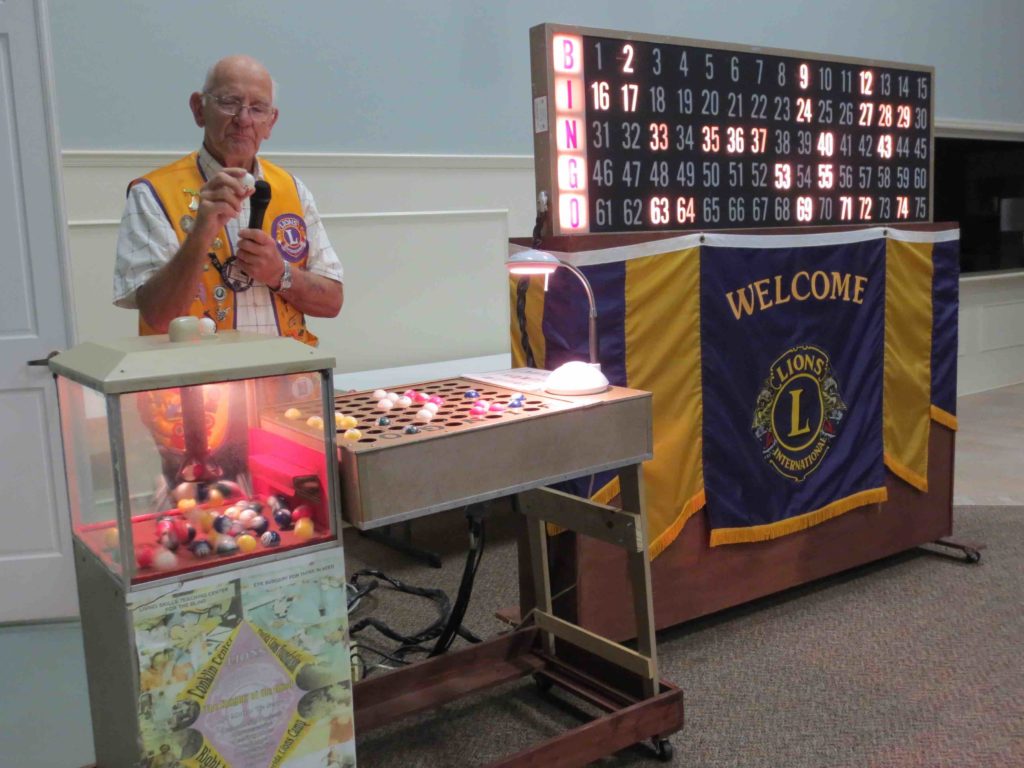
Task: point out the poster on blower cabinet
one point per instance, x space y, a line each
247 668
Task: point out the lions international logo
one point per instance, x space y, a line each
798 412
289 232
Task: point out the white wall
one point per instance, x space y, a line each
422 240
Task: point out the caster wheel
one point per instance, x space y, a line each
542 682
663 749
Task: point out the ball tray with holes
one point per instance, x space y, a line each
390 474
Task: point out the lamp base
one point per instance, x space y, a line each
576 378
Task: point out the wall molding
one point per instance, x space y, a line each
130 158
978 129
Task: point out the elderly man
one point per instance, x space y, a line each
184 247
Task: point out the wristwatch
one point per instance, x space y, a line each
286 279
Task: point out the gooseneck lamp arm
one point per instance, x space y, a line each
592 325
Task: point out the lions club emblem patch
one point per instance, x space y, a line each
798 412
289 232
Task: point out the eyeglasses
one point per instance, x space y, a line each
233 107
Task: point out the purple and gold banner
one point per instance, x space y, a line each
789 371
792 350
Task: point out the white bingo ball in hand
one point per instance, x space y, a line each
249 181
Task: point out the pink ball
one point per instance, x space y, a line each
144 556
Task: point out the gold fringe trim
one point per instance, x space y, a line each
905 473
608 492
945 418
665 539
798 523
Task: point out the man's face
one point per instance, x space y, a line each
235 140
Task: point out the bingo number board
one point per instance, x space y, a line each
647 133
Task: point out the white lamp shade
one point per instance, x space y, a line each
577 378
531 262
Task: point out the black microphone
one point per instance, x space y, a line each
258 204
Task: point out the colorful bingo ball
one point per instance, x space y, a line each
471 394
184 505
436 400
496 408
383 421
259 525
283 518
228 489
169 540
201 548
304 529
293 414
214 497
221 523
420 397
276 501
301 512
144 556
410 393
185 531
245 517
385 404
235 529
270 539
185 491
348 422
412 429
164 559
424 416
226 546
111 538
315 422
246 543
201 519
352 434
379 394
403 402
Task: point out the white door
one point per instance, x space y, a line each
35 318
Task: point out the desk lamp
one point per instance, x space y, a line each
574 377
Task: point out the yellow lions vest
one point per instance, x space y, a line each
177 184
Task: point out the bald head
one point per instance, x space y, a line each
231 67
236 110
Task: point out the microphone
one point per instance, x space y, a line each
258 204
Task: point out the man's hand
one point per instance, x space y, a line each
220 201
258 255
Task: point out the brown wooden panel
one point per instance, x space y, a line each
692 579
380 700
608 734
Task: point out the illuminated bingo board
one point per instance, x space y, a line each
646 133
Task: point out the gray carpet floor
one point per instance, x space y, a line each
916 660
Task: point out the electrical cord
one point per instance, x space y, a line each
442 630
473 557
